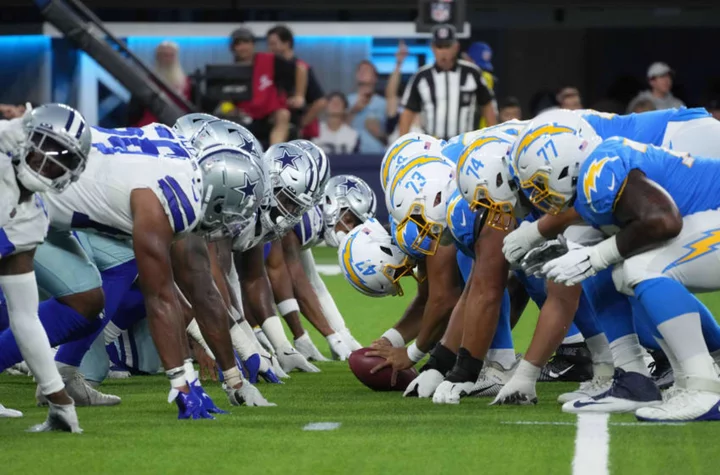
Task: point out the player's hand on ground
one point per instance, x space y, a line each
518 391
395 358
248 395
450 393
425 384
521 241
338 346
290 359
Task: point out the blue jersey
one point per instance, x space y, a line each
646 127
692 182
461 223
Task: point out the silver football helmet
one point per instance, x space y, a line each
347 202
55 150
188 124
225 132
294 180
322 162
233 189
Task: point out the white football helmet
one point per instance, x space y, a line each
547 157
55 150
188 124
370 261
345 194
417 200
294 181
402 149
484 179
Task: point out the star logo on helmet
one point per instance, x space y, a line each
288 160
248 189
349 184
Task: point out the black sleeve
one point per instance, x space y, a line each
285 74
314 90
484 96
411 98
135 110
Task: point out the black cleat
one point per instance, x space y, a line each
571 363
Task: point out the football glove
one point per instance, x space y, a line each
521 241
425 384
450 393
534 260
248 395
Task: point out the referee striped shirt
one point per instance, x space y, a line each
450 101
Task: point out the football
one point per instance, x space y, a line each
361 364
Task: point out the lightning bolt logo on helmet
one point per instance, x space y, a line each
531 136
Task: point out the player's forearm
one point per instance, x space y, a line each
435 317
519 299
411 321
165 327
551 226
259 298
555 319
481 315
309 303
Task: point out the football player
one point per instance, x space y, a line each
660 207
44 151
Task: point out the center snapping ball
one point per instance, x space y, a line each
361 364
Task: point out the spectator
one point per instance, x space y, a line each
452 86
510 109
282 43
660 77
713 107
167 66
392 98
336 136
643 105
480 53
277 83
13 111
569 98
367 113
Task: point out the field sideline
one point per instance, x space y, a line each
377 432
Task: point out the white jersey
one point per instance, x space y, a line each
310 229
123 160
23 226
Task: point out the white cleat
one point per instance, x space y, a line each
82 393
6 412
588 389
492 378
290 359
60 418
20 369
115 374
305 346
684 405
350 340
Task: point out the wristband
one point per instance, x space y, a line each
414 353
605 254
394 337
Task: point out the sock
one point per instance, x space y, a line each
678 373
244 346
600 349
505 357
573 336
232 376
273 329
503 333
627 354
250 334
675 313
61 324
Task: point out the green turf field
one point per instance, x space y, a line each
378 433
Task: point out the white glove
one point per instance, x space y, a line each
582 262
290 359
425 384
263 339
12 137
248 395
338 346
519 242
520 390
450 393
307 348
534 260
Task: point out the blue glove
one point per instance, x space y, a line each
252 367
207 402
191 407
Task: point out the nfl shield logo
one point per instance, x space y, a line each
440 12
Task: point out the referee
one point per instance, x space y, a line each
451 94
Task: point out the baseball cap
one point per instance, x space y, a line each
481 54
242 34
444 35
658 69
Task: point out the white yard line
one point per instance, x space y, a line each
592 445
322 426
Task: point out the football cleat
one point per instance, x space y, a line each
305 346
290 359
492 379
190 406
60 418
571 363
6 412
685 405
589 389
629 392
82 393
252 367
660 370
207 402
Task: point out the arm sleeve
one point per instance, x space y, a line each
411 97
